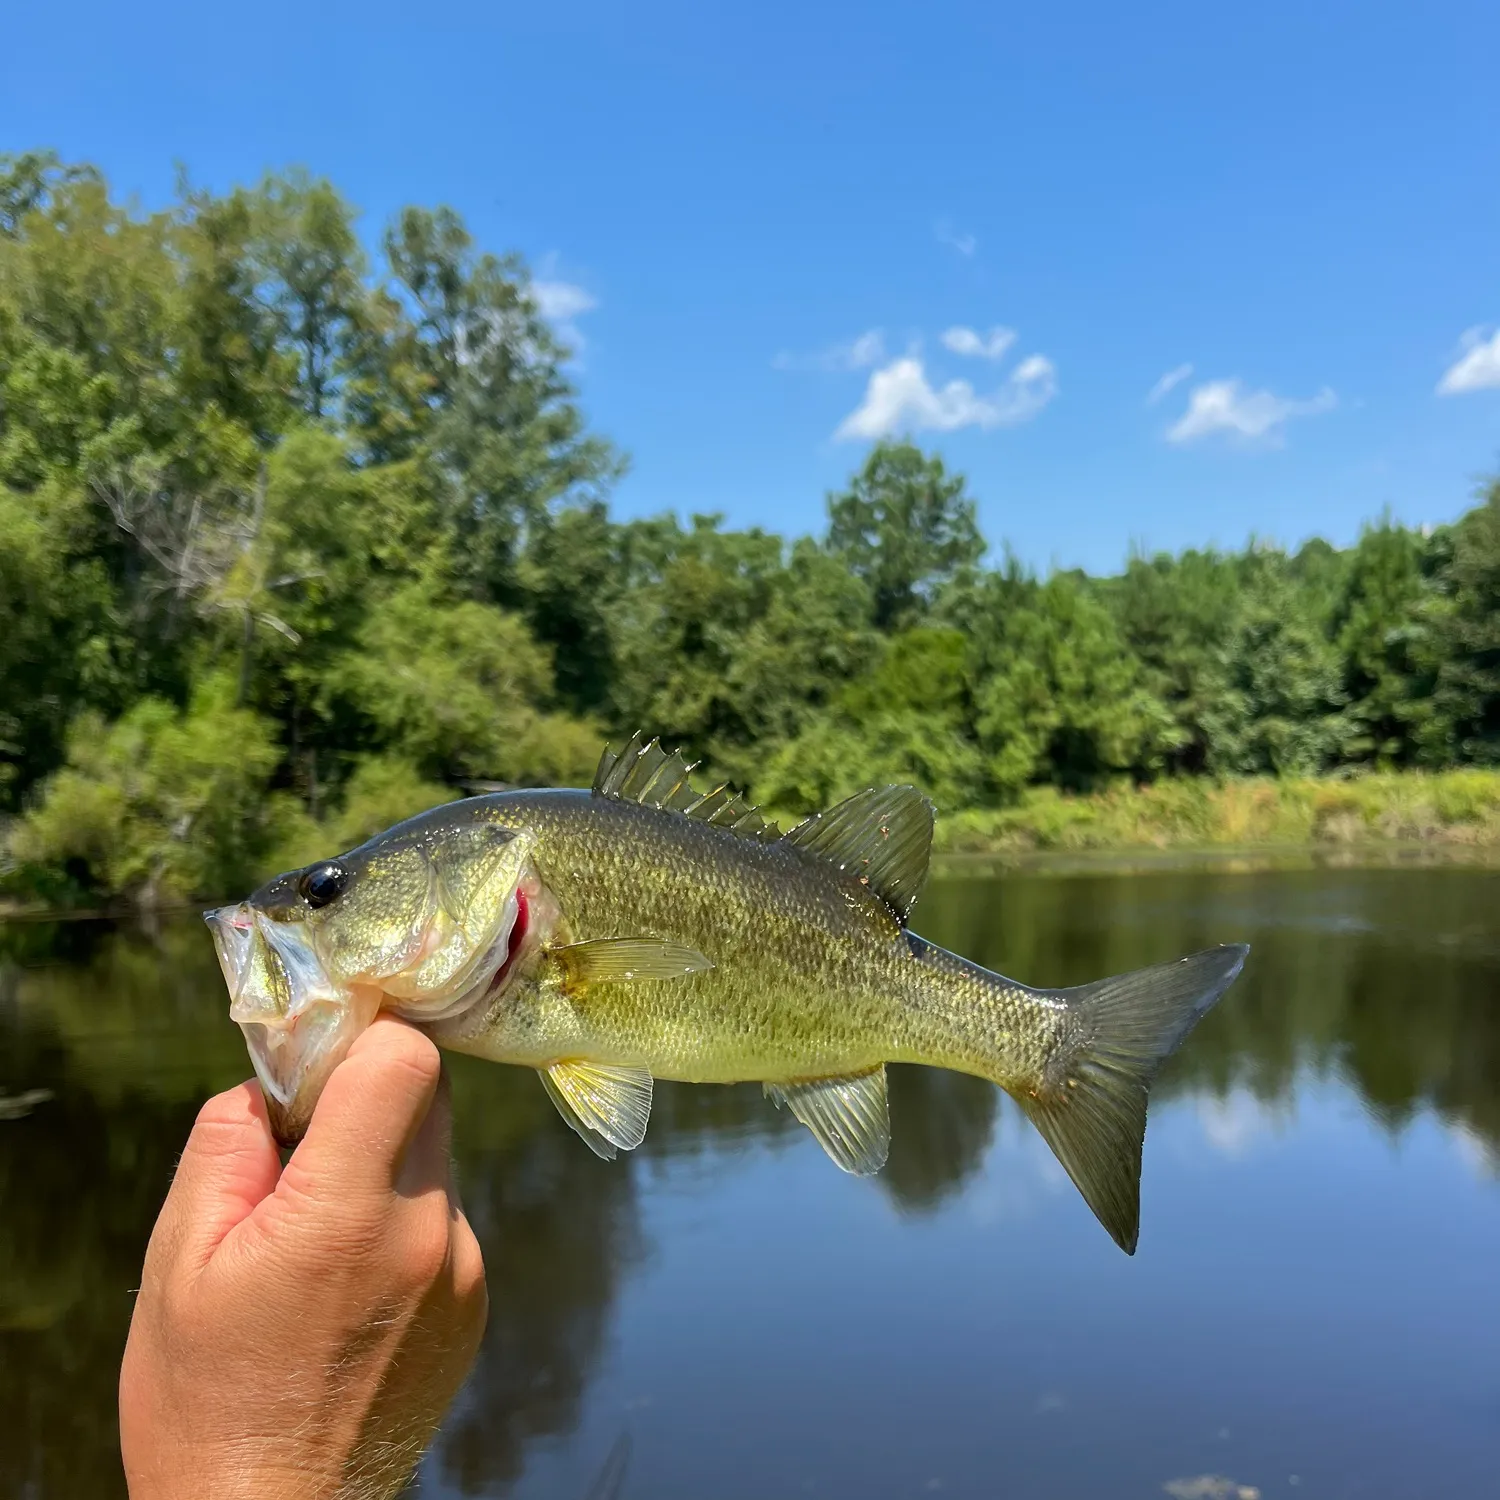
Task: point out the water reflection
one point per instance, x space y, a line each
1381 980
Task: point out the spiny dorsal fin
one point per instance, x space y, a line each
883 837
647 774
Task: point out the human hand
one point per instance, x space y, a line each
300 1332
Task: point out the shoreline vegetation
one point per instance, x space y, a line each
1380 819
1378 814
303 528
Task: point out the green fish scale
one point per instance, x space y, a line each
813 975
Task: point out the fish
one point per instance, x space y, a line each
645 928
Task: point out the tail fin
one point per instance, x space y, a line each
1093 1111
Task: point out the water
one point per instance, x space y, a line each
1314 1310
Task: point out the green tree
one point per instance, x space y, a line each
694 593
903 719
1277 696
1465 722
1380 627
161 805
904 526
461 691
1057 694
27 181
306 251
459 362
1175 614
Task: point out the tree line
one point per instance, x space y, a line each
299 533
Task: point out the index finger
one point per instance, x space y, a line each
371 1110
228 1166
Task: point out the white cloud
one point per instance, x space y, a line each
1477 368
991 345
899 397
1225 406
965 244
1233 1125
1165 384
857 354
561 303
1482 1158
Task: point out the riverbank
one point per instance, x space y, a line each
1401 817
1455 812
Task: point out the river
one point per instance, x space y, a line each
1314 1310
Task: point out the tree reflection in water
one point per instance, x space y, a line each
1385 978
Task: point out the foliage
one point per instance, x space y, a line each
162 803
382 790
301 527
1456 808
904 526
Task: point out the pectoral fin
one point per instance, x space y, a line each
611 960
849 1117
608 1106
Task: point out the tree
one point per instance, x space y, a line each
1465 723
475 375
693 595
27 181
460 690
1380 627
904 526
1057 695
1175 614
305 248
1275 703
161 805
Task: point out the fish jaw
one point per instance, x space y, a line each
294 1061
300 1012
297 1023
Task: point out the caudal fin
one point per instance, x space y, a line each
1092 1111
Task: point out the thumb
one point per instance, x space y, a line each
369 1116
228 1166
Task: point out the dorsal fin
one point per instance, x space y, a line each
647 774
882 836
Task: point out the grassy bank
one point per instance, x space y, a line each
1454 808
1443 815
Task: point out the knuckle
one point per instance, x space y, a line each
417 1060
390 1042
220 1123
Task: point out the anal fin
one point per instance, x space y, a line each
608 1106
849 1117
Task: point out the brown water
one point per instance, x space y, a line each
1314 1310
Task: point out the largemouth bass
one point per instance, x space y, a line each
646 930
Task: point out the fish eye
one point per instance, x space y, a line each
323 883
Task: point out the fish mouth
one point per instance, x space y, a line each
271 968
297 1023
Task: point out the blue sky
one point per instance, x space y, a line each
766 219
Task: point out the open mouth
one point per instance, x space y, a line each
270 968
297 1023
